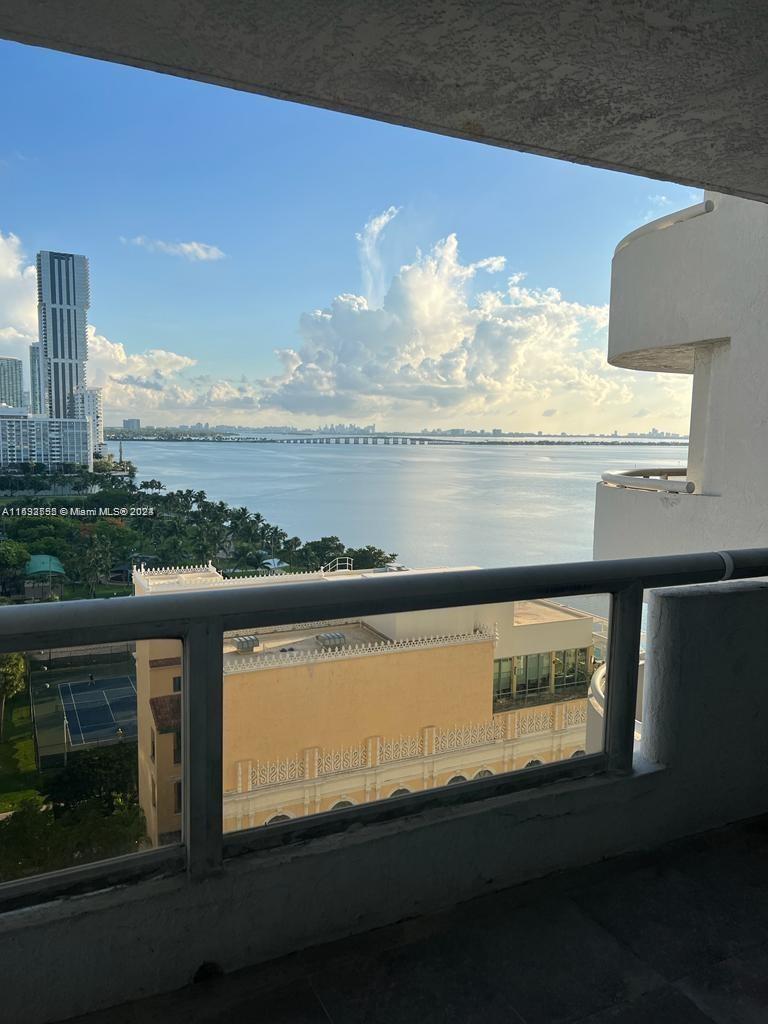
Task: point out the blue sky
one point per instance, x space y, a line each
94 156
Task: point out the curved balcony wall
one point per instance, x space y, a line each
688 295
688 279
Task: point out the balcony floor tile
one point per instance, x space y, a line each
677 935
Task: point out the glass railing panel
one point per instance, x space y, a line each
335 714
90 757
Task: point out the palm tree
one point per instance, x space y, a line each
97 562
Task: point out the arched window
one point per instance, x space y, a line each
277 818
455 779
534 764
578 753
483 773
342 804
400 792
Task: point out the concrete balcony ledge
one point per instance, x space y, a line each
635 517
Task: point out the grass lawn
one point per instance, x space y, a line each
18 774
76 591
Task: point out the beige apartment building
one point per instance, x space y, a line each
331 714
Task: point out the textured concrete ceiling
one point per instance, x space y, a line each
673 90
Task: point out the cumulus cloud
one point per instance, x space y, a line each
441 345
193 251
447 342
146 380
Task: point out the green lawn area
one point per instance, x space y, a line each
18 774
75 591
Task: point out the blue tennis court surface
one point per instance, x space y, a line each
101 710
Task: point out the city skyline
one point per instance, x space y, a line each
406 278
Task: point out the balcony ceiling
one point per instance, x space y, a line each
667 89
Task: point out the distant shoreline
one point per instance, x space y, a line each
415 441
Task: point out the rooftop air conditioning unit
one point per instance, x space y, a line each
246 644
331 640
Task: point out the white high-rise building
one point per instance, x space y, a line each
11 383
63 297
35 380
53 442
88 404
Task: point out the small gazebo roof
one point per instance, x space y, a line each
44 565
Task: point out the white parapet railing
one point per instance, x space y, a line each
235 664
377 751
668 221
657 479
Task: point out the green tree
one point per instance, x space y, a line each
33 840
370 557
13 559
105 776
13 680
316 553
97 562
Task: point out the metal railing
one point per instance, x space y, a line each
200 618
652 479
342 564
668 221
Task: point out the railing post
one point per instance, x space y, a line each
621 676
202 746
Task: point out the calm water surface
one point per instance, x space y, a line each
457 505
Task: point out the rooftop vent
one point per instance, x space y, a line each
245 644
331 640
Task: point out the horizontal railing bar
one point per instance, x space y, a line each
30 627
667 221
653 480
130 867
380 811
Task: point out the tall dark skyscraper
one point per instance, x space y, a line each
63 298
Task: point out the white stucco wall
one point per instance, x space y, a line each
692 298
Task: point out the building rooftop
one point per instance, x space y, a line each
166 712
205 577
306 638
531 613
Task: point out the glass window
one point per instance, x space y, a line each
177 798
560 673
545 667
582 665
177 684
177 747
502 677
152 745
570 668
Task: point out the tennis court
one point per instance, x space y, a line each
99 711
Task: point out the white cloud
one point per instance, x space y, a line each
370 258
194 251
432 352
146 380
446 345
